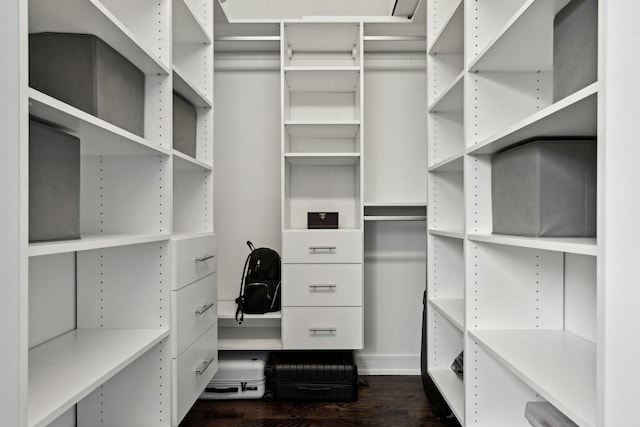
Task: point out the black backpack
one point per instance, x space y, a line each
260 283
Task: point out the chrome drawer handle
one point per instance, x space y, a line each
315 249
205 365
319 286
204 258
204 308
317 330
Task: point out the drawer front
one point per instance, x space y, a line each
322 246
194 259
322 285
192 372
322 328
194 311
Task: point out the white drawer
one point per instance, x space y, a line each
192 372
194 259
322 328
322 285
194 311
322 246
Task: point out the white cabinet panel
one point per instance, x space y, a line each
192 371
194 311
322 328
194 259
322 246
322 285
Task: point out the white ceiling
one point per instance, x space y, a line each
296 9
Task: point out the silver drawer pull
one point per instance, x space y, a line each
204 258
315 249
317 330
205 365
204 308
319 286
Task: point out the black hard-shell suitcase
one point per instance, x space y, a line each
330 376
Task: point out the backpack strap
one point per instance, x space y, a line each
251 247
240 299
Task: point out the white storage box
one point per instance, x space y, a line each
239 376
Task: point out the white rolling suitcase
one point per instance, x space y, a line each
240 376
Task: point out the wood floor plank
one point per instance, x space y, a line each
387 401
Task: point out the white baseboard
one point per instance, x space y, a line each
388 364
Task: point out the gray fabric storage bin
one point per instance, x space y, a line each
575 47
83 71
54 184
545 188
184 126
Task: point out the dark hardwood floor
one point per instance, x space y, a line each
387 401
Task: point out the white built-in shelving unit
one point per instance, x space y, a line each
250 48
445 202
526 311
372 171
194 305
99 335
322 111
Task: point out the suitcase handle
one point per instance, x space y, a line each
303 388
221 390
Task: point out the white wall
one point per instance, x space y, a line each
394 280
247 164
395 129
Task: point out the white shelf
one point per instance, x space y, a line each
227 310
450 39
574 115
185 162
451 164
451 99
324 79
97 137
247 44
66 369
187 28
92 17
452 309
187 236
454 234
561 367
250 344
344 129
573 245
452 389
395 218
323 37
332 159
394 44
396 204
89 242
188 90
525 42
